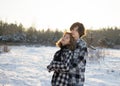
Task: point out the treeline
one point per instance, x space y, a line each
105 37
17 34
14 33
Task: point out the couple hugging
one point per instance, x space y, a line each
69 62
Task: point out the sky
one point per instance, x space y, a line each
61 14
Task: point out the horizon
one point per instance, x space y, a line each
54 29
61 14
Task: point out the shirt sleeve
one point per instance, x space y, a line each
61 66
79 54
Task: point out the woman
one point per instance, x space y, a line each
78 60
61 61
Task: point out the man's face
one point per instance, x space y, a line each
75 33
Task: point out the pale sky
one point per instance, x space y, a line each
61 14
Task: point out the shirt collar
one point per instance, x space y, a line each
78 40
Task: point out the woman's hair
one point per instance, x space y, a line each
72 43
81 28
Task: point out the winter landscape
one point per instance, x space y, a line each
26 66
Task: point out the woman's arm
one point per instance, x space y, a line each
61 66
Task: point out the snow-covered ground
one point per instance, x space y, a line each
26 66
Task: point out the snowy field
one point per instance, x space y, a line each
26 66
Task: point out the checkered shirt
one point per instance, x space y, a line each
61 68
78 63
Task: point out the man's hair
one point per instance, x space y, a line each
81 28
70 46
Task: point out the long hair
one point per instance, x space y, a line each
72 43
81 28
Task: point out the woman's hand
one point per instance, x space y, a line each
50 68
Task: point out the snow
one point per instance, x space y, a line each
26 66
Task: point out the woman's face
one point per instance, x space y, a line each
75 33
65 39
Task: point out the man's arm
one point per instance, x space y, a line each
79 54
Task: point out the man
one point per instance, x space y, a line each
78 61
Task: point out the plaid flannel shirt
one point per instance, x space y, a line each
78 62
61 68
